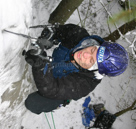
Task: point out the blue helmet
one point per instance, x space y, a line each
112 59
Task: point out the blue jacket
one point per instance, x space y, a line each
61 62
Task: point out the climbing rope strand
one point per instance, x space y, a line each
47 121
53 120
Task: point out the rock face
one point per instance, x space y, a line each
12 107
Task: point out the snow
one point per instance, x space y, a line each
16 81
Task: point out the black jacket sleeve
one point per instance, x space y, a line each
74 86
70 35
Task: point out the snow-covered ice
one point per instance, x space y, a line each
16 80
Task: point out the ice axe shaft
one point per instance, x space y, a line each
23 35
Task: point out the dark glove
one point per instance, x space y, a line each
46 33
34 60
47 37
45 43
98 108
104 120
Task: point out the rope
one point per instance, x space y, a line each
47 121
53 120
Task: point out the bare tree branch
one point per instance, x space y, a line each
64 11
124 29
125 110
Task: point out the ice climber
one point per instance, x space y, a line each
79 63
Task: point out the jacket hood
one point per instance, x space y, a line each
87 42
84 43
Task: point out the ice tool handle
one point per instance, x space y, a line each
46 38
45 41
34 42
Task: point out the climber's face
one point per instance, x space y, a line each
86 57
